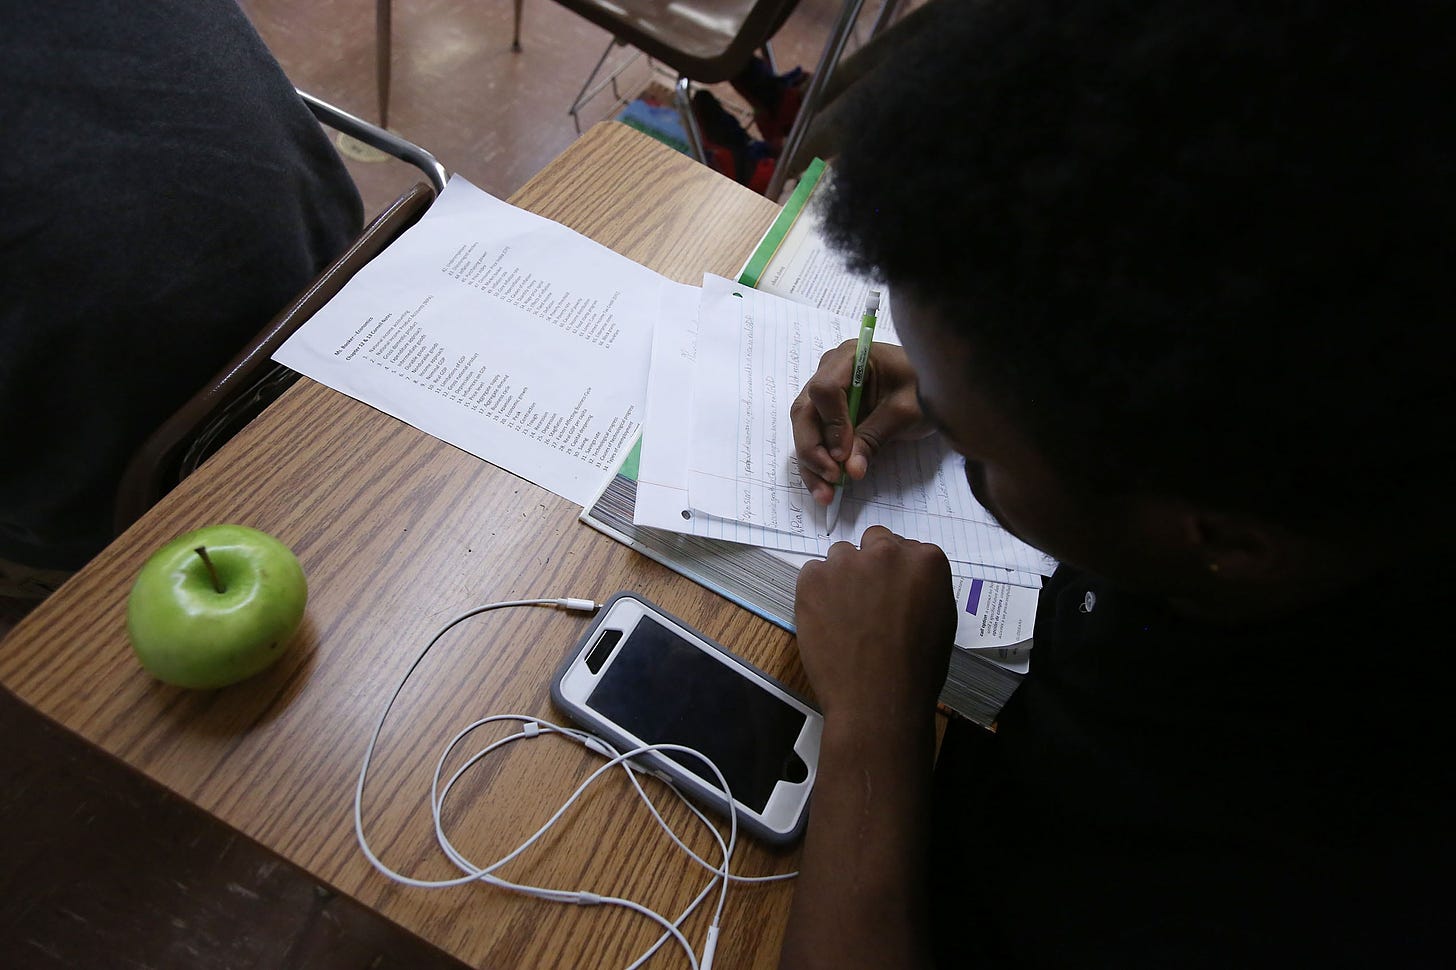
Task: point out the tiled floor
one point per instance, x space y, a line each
458 90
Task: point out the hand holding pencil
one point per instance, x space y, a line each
830 444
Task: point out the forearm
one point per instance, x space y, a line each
861 897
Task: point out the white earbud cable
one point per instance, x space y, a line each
535 727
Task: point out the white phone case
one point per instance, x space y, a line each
786 812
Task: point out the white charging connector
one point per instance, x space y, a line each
531 728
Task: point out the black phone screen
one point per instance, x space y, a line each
665 690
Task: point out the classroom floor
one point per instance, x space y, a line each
457 89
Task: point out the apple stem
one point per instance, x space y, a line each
211 569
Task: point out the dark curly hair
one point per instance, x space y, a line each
1202 247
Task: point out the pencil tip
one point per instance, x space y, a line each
832 515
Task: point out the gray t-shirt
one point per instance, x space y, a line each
163 193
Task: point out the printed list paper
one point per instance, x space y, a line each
507 335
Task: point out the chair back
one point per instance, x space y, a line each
251 380
706 41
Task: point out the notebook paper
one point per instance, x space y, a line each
754 352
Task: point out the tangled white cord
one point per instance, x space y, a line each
533 727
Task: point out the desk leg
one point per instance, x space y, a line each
383 55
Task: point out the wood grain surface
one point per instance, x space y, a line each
398 531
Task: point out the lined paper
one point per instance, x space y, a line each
754 352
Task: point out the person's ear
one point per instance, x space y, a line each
1235 547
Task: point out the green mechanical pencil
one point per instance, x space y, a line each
856 390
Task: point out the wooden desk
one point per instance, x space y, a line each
397 532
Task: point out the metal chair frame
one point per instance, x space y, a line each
376 137
834 47
679 85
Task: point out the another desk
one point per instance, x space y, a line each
397 532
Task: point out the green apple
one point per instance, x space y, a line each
215 606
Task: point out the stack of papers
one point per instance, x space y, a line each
718 450
717 458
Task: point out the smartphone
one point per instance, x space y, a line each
642 676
